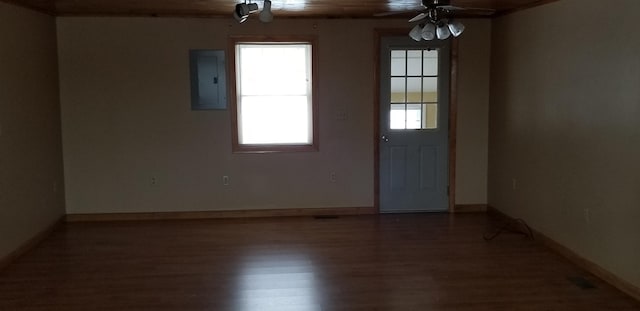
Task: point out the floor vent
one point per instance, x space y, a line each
326 217
581 282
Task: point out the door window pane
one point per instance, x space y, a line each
430 90
398 90
430 63
398 63
414 86
414 90
414 63
430 117
414 116
398 117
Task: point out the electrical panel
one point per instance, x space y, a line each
208 80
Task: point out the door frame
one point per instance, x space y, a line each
453 116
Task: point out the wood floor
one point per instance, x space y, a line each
388 262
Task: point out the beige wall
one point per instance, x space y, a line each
31 182
126 119
565 123
474 58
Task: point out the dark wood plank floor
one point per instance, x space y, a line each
389 262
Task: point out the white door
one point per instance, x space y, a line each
414 125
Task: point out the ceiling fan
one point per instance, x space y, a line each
433 9
435 19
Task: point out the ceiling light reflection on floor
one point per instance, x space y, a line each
277 282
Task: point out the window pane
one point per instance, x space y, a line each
397 117
431 116
414 116
430 63
274 70
398 62
414 95
274 103
275 120
429 90
414 63
398 89
414 88
408 116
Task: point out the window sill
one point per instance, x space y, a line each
274 148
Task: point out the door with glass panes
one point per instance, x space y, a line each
414 123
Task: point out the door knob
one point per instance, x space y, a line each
385 138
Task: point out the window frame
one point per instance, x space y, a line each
233 96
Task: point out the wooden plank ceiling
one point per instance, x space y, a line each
280 8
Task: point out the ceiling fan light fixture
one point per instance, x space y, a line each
416 33
266 15
428 32
443 32
241 12
253 7
456 27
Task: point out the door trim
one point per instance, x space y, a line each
453 115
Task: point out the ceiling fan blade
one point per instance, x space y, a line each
480 11
392 13
389 13
418 17
451 7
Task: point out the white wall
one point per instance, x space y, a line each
31 182
126 118
565 123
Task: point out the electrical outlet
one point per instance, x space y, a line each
154 181
225 180
332 177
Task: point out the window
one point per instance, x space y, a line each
273 98
414 89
